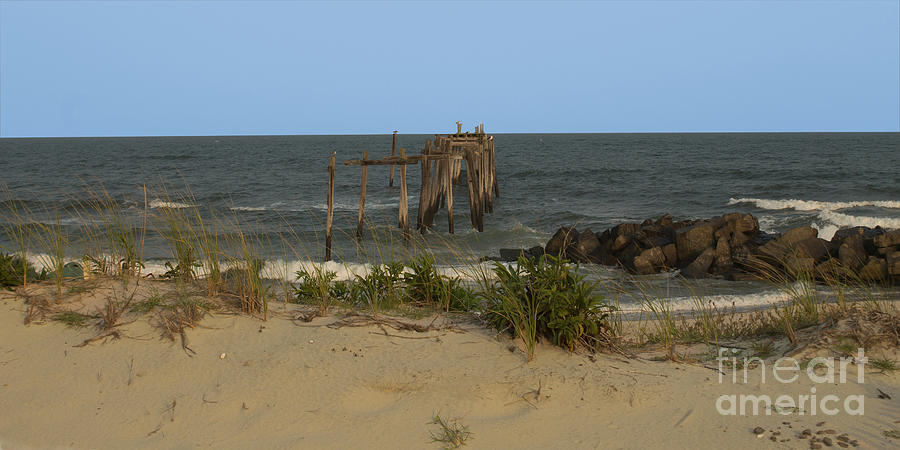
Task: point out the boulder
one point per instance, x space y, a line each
800 267
699 268
658 241
830 269
774 252
627 255
620 242
564 238
852 253
693 240
844 233
762 238
665 220
888 239
893 262
649 261
510 254
586 245
816 248
791 237
723 262
738 239
626 229
746 224
513 254
658 231
671 254
741 255
876 269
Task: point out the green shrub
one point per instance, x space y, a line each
381 288
545 297
13 268
424 285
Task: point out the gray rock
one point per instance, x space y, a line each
844 233
586 245
564 238
693 240
723 262
510 254
893 261
888 239
852 253
665 220
699 268
626 229
738 239
816 248
620 242
671 253
649 261
876 269
746 224
791 237
830 269
800 267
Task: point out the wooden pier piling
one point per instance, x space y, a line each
330 217
393 148
441 163
362 198
404 205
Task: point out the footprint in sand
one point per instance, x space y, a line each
375 398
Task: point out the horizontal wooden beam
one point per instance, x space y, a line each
388 160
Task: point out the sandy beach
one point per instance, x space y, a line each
284 383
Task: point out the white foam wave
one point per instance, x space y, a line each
833 221
338 206
724 302
812 205
166 204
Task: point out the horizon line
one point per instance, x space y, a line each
432 133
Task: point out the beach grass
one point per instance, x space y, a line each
220 257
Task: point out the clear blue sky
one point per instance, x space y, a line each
114 68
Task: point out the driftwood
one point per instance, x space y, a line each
359 320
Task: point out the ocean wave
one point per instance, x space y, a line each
156 204
389 203
831 221
722 302
812 205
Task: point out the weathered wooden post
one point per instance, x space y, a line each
329 218
404 206
448 186
362 197
424 190
393 148
496 185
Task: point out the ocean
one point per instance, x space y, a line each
276 186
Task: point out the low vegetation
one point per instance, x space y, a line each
218 264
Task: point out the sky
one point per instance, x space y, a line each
131 68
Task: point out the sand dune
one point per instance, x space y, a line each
288 384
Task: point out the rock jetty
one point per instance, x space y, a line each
729 246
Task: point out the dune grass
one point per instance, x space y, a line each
221 257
